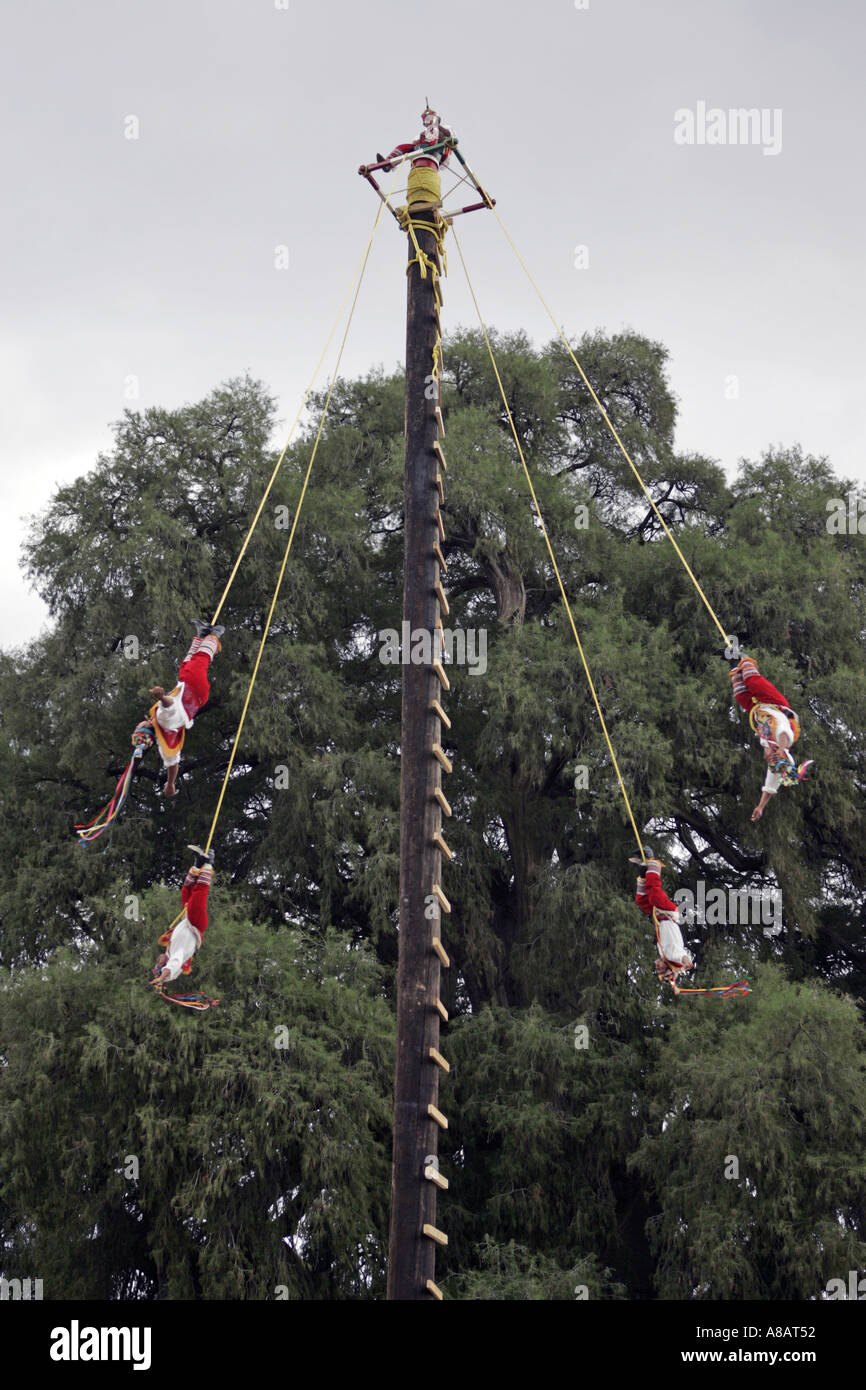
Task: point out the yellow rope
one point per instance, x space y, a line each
678 989
307 393
291 535
424 261
424 185
550 552
610 425
174 923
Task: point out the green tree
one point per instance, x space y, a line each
561 1157
153 1153
755 1142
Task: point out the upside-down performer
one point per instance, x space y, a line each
184 938
165 725
775 725
173 713
650 895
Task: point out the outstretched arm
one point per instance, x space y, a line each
772 783
761 806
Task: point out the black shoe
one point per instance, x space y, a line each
207 629
202 856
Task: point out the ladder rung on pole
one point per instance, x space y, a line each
441 952
440 898
441 756
437 709
439 842
443 680
435 1234
433 1175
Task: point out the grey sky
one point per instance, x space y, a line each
154 257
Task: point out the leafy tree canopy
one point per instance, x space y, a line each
600 1165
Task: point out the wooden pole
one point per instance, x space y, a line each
411 1252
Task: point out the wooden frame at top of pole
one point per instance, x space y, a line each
367 170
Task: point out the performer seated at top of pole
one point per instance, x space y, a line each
173 714
650 895
424 187
775 725
185 937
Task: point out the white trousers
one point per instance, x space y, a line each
779 724
183 943
670 939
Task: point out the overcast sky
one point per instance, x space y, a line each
153 258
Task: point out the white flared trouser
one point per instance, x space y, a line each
183 944
670 939
779 724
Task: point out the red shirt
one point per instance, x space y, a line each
655 896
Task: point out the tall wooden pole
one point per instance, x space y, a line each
413 1234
